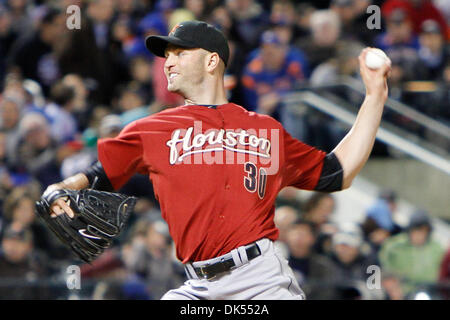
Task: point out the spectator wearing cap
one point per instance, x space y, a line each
157 21
273 70
19 261
348 261
414 256
399 31
432 51
382 211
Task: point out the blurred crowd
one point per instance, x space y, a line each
62 89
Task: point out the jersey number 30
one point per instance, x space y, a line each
255 180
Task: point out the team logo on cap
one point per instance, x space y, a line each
174 29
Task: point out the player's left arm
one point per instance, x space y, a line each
355 148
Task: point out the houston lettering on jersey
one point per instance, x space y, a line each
215 140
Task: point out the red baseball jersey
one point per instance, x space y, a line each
216 172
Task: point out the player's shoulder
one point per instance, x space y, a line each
263 119
151 122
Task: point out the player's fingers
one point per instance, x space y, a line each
387 67
60 207
56 210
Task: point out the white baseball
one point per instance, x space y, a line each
376 58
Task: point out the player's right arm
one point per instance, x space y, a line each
119 159
79 181
75 182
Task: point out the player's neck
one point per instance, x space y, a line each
210 93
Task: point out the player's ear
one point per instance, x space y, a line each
212 61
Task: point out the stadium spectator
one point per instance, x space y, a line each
249 21
19 261
6 183
285 216
418 10
318 209
310 269
19 213
131 104
141 75
151 259
197 7
33 54
413 256
273 70
392 287
20 10
432 51
282 20
399 32
36 151
153 23
352 14
381 213
91 52
81 102
325 27
10 113
63 124
348 262
7 38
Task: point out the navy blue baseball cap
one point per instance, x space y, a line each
191 34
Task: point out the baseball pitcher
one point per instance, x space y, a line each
217 169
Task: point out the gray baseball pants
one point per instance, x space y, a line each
266 277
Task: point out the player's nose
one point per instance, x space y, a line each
170 61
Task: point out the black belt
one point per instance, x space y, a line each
212 270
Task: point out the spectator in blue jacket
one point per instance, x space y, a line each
273 69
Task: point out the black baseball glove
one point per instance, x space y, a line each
99 217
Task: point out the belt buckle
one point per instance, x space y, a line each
205 274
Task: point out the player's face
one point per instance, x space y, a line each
184 69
